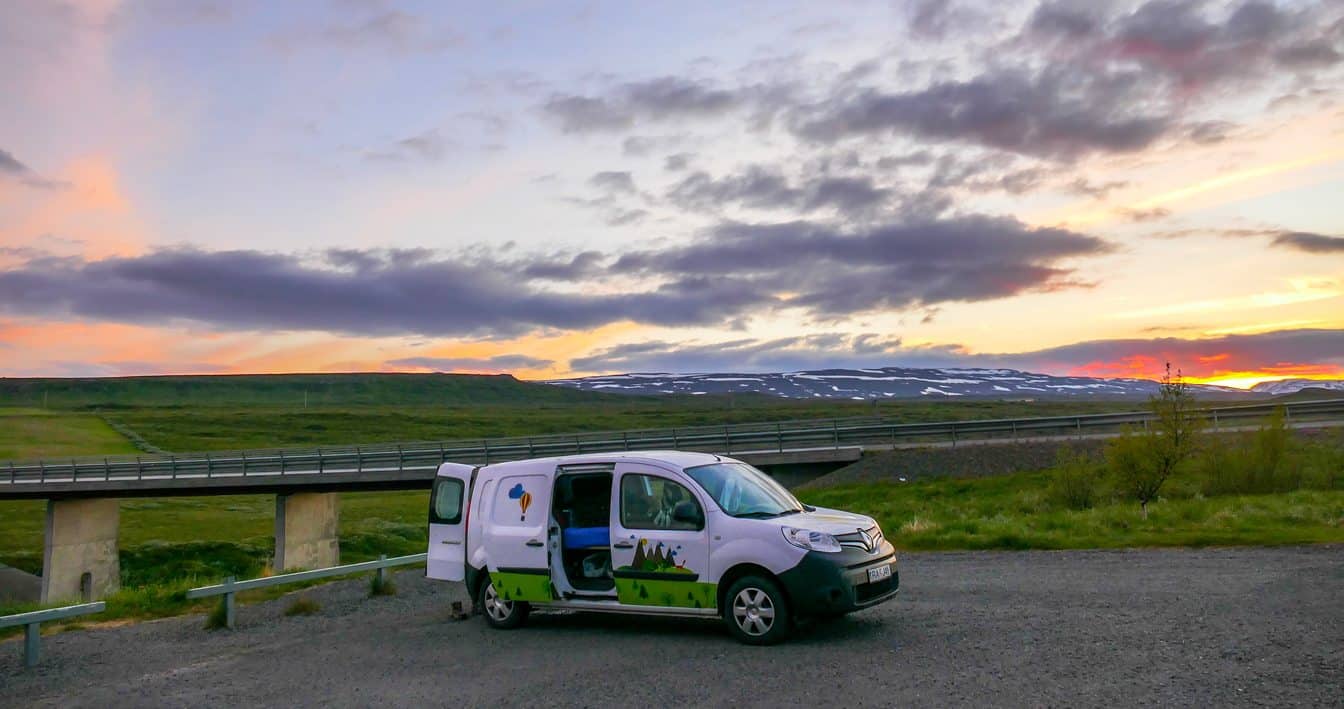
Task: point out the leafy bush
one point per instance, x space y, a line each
1270 460
1075 481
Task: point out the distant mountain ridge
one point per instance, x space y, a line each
374 388
901 382
1289 386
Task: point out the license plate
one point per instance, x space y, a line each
879 573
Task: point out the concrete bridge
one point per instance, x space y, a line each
80 557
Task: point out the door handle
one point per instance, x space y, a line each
450 541
534 543
623 545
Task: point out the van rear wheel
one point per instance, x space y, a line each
756 612
499 613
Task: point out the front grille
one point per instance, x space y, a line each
869 540
868 591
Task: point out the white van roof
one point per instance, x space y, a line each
676 459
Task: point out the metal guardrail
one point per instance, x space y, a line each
32 621
727 439
230 587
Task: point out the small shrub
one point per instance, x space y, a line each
1075 481
303 605
1322 463
218 617
379 587
1142 461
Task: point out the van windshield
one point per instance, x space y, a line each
743 491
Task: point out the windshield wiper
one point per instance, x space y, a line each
766 515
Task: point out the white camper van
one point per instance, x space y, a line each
656 533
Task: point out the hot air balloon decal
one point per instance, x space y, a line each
523 497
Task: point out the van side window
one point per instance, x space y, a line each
446 507
647 502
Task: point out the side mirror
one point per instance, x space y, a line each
688 512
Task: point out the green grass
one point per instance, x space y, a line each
1014 512
27 434
219 428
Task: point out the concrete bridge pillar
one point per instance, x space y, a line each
79 561
306 528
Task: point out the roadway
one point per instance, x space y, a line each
1218 627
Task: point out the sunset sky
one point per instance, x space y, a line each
557 189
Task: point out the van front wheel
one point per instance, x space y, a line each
756 612
499 613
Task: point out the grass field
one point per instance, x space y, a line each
1014 512
33 433
216 428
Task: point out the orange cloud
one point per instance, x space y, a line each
1209 370
88 215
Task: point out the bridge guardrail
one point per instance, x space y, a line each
726 439
33 620
230 587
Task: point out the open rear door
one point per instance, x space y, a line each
448 522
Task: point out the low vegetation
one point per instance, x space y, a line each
302 605
381 586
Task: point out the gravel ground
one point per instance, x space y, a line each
1174 627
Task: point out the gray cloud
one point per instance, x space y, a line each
766 188
834 271
1311 243
1063 18
429 146
1058 112
583 114
498 363
1097 190
370 293
736 270
11 164
11 167
1297 240
613 182
1143 215
661 99
582 265
677 162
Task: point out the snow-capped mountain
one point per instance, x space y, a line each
1289 386
886 382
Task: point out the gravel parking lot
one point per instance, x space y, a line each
1178 627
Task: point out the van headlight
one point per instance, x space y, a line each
810 540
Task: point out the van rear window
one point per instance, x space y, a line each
445 505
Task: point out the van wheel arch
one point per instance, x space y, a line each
731 576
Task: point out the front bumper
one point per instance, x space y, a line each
835 583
